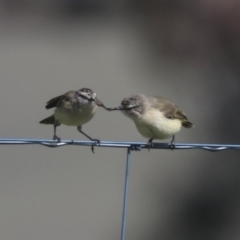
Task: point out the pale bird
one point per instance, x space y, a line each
154 117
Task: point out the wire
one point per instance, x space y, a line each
116 144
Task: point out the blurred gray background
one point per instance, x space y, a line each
186 51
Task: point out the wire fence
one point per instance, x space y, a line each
130 146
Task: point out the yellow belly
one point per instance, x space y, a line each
154 125
74 117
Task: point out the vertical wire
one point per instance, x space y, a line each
125 199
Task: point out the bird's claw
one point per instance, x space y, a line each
96 141
150 144
55 137
172 145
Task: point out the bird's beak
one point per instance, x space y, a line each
124 109
117 108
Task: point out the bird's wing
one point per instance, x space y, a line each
168 109
54 102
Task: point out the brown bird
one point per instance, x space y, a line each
73 108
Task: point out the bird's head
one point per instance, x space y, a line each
87 94
131 106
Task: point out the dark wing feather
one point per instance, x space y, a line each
55 101
171 111
168 109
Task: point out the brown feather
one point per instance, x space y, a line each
170 110
49 120
55 101
187 124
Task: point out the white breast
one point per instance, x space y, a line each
153 124
75 116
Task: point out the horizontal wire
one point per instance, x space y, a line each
118 144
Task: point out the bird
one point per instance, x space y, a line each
154 117
74 108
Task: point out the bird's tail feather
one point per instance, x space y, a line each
49 120
187 124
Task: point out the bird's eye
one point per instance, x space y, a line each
125 102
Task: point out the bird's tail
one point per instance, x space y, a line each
49 120
187 124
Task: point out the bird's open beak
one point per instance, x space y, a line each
124 109
117 108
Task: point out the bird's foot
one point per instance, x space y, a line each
55 137
96 141
172 146
150 143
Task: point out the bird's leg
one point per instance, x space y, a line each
150 143
79 128
55 137
172 142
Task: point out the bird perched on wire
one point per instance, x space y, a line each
73 108
154 117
